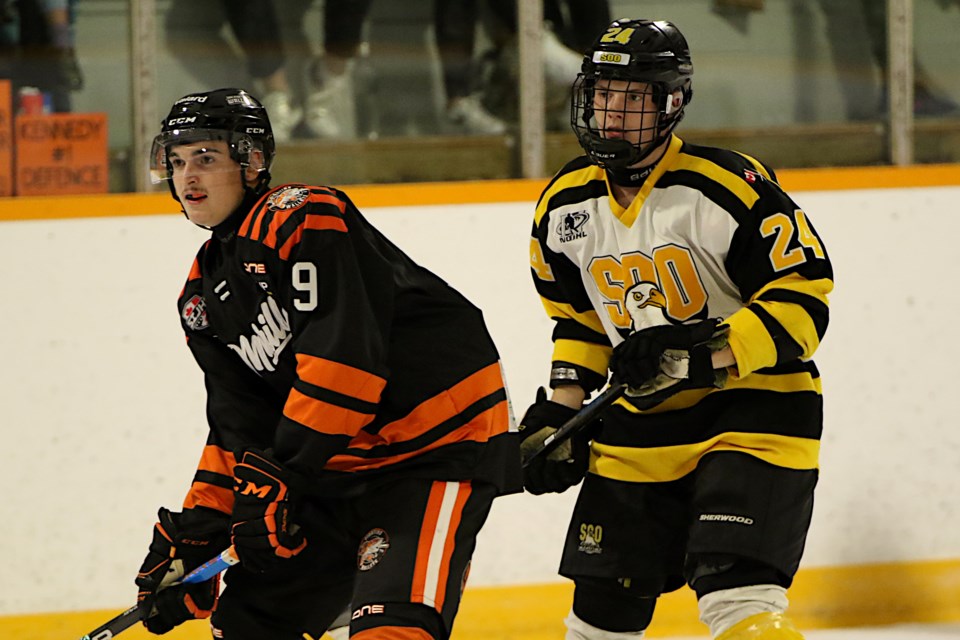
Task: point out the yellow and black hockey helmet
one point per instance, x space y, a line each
652 57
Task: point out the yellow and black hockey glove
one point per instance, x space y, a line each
563 467
658 362
181 543
263 532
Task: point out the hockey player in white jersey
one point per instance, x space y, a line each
692 277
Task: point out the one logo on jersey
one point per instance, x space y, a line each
262 348
646 305
373 547
194 313
367 610
290 197
590 537
254 267
571 226
752 176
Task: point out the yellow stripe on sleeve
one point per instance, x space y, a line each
573 179
732 182
752 345
758 166
560 310
585 354
796 321
795 282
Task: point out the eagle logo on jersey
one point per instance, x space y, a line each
195 313
373 547
289 197
571 226
646 305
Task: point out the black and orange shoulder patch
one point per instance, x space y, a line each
286 210
288 197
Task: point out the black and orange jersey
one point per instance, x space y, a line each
322 340
709 235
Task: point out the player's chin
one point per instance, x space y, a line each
199 215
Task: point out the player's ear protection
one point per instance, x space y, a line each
674 103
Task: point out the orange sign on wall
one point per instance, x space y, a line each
61 153
6 139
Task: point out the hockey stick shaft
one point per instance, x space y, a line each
212 567
577 423
133 615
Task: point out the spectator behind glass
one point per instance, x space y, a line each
328 110
329 107
256 28
37 49
331 100
563 42
455 27
928 99
863 100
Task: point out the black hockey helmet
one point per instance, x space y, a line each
230 115
654 55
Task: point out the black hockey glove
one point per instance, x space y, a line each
176 550
563 467
658 362
263 532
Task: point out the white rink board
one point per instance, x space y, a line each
103 407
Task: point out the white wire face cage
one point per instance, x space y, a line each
240 146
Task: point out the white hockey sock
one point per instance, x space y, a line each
577 629
721 610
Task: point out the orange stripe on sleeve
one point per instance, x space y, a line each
315 223
217 460
438 409
211 496
310 221
490 423
319 223
328 197
340 378
214 460
279 217
245 227
324 417
256 213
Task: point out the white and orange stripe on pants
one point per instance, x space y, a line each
435 549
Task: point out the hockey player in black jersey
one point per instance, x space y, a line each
693 278
359 423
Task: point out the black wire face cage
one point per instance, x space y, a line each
240 146
620 121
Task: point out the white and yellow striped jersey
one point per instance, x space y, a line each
710 235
